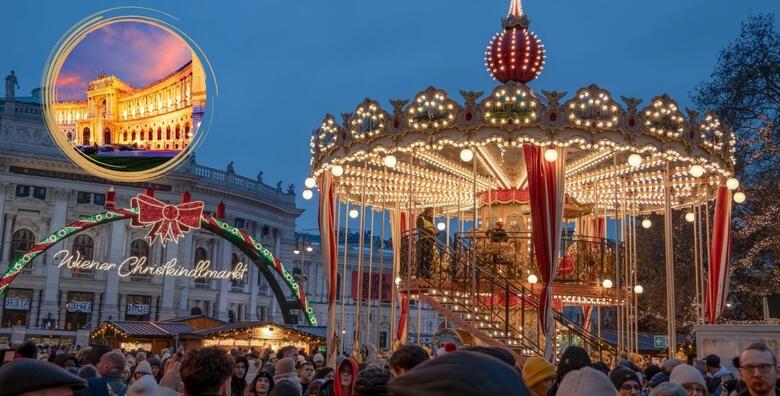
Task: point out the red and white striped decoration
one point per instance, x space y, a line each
720 257
329 247
546 189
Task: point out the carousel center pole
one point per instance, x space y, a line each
361 243
381 263
342 332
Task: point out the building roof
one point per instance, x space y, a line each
311 331
146 329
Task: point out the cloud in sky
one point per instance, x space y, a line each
136 52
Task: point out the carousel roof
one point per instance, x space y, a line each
436 151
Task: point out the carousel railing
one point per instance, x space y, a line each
583 260
473 287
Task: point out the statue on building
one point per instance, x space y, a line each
11 83
279 186
230 168
291 189
260 177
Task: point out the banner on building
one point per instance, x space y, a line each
17 304
138 309
79 306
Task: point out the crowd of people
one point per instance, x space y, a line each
409 371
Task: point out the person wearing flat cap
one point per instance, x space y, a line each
50 379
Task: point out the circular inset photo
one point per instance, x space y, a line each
127 97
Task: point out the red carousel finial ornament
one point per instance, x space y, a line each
220 214
515 54
186 197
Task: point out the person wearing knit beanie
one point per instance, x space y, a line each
586 381
690 379
538 375
626 381
669 389
286 381
460 373
573 358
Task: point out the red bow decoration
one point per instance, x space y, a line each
169 222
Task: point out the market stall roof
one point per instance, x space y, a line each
145 329
311 331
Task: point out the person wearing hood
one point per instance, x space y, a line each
716 375
689 378
461 373
145 384
261 385
626 381
538 375
346 376
286 381
155 364
238 379
586 381
573 358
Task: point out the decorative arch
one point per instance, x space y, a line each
265 261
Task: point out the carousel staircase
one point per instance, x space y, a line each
496 310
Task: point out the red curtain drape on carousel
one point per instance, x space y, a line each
545 188
329 246
720 256
398 226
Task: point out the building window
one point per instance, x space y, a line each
140 248
99 199
132 136
22 191
22 241
231 316
200 256
195 311
159 133
16 307
78 310
138 307
83 197
124 136
150 134
40 193
84 245
168 133
240 223
178 131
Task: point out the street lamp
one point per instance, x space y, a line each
309 249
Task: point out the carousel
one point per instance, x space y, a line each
507 206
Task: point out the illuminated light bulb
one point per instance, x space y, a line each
390 161
607 284
638 289
696 170
307 194
690 217
309 182
397 280
732 183
551 154
532 279
739 197
635 160
353 213
441 226
466 155
646 223
337 170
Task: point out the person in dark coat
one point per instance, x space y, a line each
461 373
238 380
110 368
372 381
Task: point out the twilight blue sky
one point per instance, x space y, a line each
136 52
282 64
